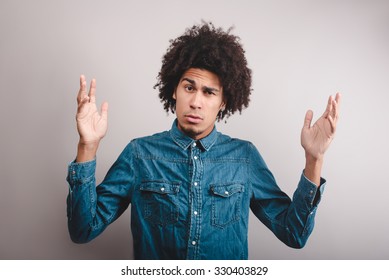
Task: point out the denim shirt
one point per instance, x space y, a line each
189 199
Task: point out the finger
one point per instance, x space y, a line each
82 103
104 111
338 97
82 92
92 91
308 119
329 107
334 112
337 100
332 124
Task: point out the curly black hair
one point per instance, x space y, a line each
209 48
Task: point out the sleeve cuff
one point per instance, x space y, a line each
308 192
81 172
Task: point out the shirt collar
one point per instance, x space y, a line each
185 141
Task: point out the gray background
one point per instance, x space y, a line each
300 53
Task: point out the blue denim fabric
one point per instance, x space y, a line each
189 199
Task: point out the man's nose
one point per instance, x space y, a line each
196 100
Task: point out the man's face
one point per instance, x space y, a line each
199 98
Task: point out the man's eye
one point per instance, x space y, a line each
189 88
209 92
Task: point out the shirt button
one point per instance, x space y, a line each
73 172
195 212
226 192
195 183
193 243
195 157
194 144
162 189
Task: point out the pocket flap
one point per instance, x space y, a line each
160 187
227 190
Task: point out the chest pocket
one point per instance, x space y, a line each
160 202
226 204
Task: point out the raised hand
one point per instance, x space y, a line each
91 125
317 138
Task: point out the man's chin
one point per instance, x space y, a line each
190 130
192 133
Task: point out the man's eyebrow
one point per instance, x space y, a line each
192 82
210 89
189 80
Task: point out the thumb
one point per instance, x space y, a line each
308 119
104 110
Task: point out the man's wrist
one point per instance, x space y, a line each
312 171
86 151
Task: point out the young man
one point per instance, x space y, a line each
191 188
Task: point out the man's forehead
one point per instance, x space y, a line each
201 76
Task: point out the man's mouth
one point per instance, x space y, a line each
193 118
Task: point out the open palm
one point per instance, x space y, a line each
316 139
91 125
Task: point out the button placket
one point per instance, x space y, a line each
195 227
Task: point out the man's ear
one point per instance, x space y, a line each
174 95
223 106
